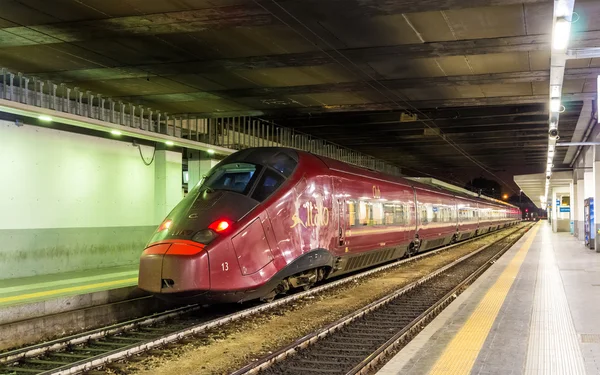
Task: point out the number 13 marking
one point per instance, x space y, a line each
225 266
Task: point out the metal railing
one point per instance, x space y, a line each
235 133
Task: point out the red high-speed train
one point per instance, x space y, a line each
266 220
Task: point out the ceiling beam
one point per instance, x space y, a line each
444 124
508 143
462 102
438 114
395 84
215 18
539 42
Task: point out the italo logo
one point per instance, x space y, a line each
310 214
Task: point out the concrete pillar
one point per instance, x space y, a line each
199 163
167 182
554 211
573 205
596 195
579 203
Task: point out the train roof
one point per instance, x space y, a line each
261 154
457 189
417 182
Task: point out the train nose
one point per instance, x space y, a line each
174 267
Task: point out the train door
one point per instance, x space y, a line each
252 246
341 223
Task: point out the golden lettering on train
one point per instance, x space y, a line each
376 192
316 216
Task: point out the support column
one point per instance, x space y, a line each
168 174
554 211
579 203
573 205
199 163
596 190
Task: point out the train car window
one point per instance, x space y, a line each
401 214
425 218
351 213
283 163
389 213
363 213
238 177
436 214
268 183
376 213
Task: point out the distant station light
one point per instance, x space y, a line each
505 196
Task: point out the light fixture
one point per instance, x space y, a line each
169 143
210 151
560 35
115 132
44 118
554 106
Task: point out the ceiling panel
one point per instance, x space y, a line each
499 62
474 23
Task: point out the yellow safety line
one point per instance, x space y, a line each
67 290
461 353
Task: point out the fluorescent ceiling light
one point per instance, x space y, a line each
209 151
44 118
554 105
169 143
560 36
115 132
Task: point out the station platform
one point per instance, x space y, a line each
535 311
40 288
39 308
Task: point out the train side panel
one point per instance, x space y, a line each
375 214
467 218
436 218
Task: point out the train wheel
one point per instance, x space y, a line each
269 297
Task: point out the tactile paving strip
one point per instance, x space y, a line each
553 342
590 338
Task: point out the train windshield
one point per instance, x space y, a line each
237 177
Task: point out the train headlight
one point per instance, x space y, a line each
205 236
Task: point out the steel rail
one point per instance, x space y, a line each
399 338
107 357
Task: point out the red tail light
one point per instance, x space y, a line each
220 225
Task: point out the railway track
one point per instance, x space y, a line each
83 352
358 342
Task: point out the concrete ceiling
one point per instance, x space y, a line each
343 70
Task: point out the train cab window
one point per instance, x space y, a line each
268 183
238 177
283 163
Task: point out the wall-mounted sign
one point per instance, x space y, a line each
565 209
